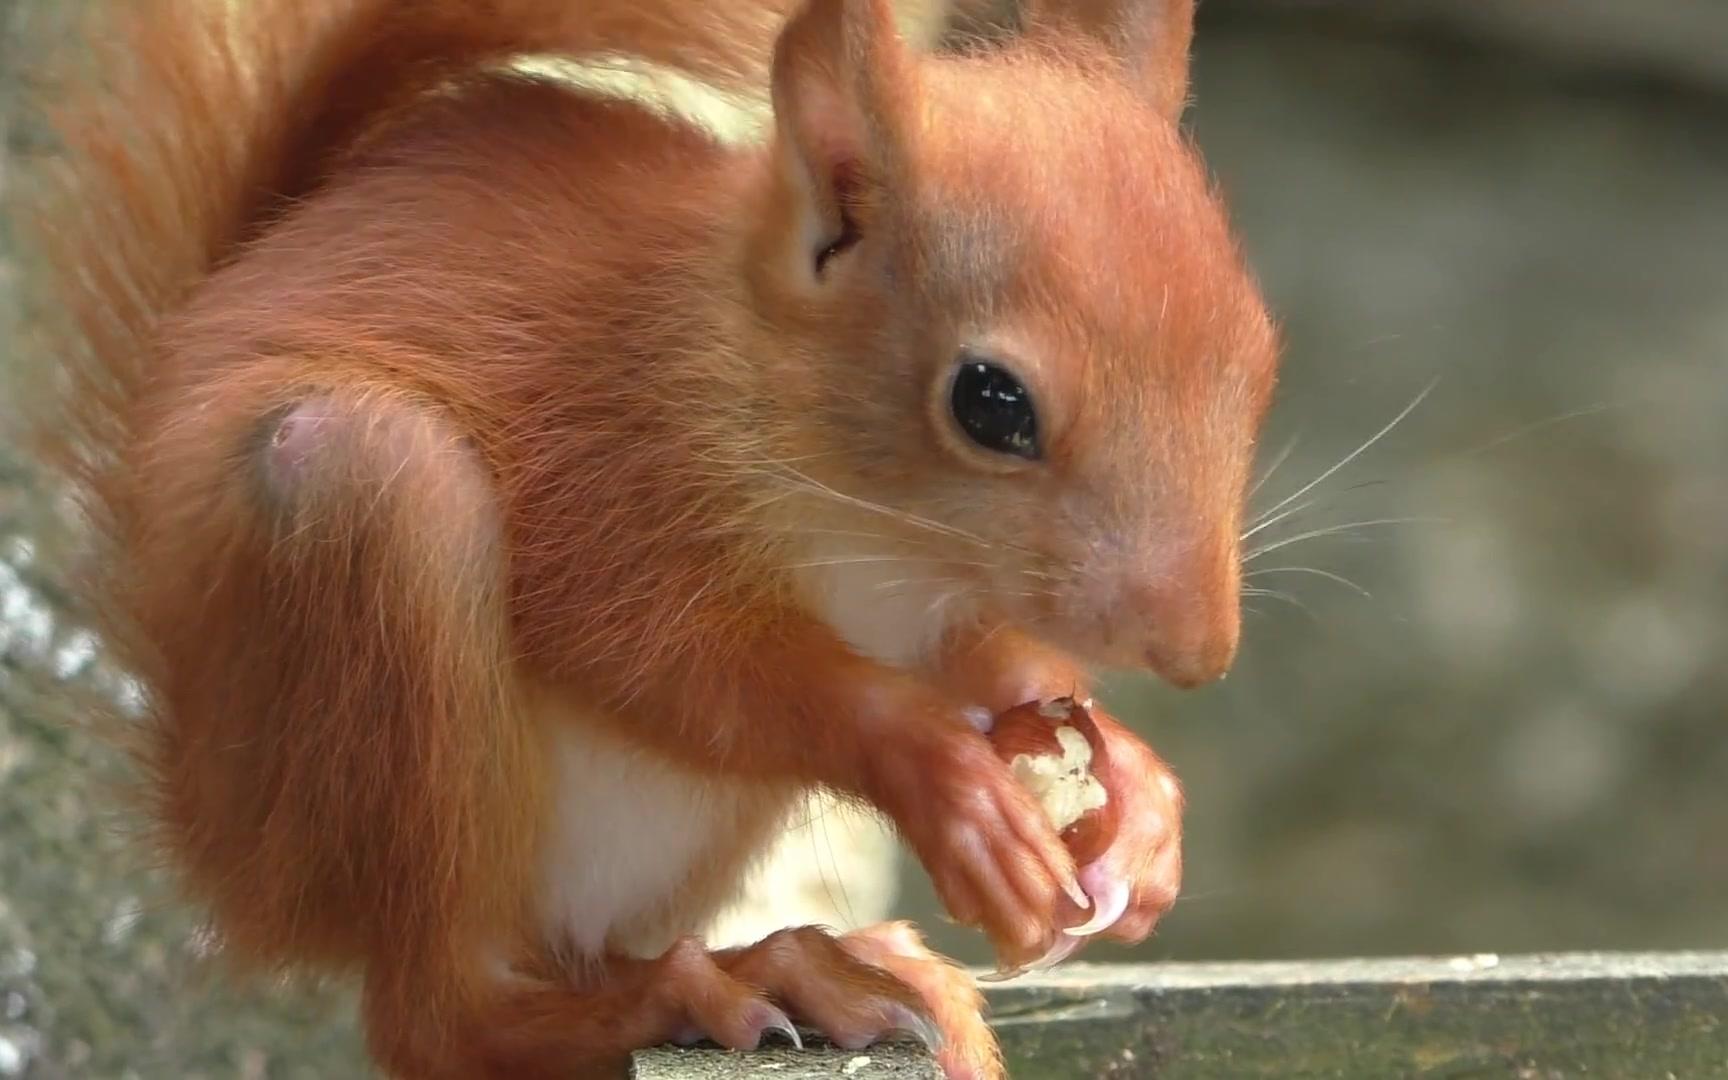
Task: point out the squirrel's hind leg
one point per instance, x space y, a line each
342 770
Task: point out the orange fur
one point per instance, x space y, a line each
404 390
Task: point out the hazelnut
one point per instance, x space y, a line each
1054 749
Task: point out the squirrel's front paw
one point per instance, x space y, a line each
992 853
1137 878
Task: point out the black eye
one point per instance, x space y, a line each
994 409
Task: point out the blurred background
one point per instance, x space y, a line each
1508 732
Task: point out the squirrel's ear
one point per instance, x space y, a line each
844 87
1151 38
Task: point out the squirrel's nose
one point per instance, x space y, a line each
1186 665
1188 624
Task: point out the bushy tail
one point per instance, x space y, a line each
177 127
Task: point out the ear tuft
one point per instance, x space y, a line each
1150 38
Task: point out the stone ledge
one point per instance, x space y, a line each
889 1061
1530 1017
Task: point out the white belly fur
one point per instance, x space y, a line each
639 850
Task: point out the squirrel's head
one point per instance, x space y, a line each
1027 360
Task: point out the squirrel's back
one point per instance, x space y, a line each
179 128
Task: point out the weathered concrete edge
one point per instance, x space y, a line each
1391 971
1561 1015
1057 1014
887 1061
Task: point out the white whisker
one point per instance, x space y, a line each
1316 571
853 534
1274 594
1333 529
1356 453
854 560
881 586
846 560
1535 426
1261 526
813 486
1277 460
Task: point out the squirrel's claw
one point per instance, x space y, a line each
1109 895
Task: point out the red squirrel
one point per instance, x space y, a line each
512 500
